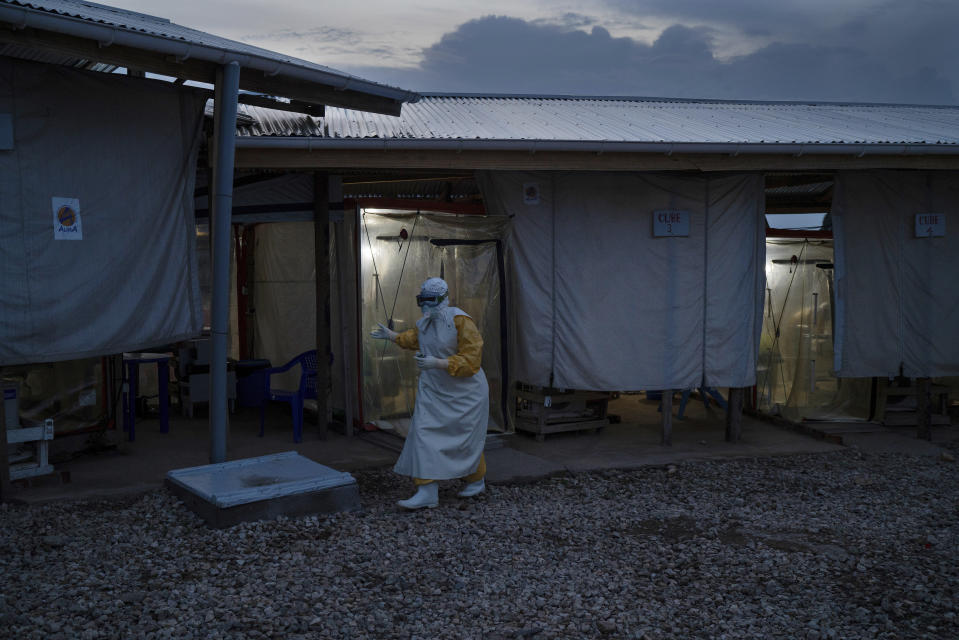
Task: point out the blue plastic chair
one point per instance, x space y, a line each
704 393
307 389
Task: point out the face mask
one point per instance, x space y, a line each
431 310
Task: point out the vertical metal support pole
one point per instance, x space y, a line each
924 408
224 146
667 440
734 414
321 234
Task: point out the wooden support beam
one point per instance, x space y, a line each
792 180
4 461
240 181
122 56
294 106
469 207
667 440
924 408
344 269
252 80
450 159
734 414
808 207
321 236
797 233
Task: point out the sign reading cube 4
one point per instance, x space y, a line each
670 222
930 225
66 219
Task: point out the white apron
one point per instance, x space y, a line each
448 431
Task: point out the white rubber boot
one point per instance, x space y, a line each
427 495
473 489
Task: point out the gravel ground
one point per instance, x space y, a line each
839 545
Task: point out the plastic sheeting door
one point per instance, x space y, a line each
398 251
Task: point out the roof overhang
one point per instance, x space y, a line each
110 44
307 152
534 146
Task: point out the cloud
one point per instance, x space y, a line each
498 54
320 43
902 36
745 14
323 33
568 20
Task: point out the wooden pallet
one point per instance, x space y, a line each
903 413
544 411
542 430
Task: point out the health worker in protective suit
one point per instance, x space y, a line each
448 430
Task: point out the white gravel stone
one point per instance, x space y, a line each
841 545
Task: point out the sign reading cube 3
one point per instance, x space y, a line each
930 225
670 223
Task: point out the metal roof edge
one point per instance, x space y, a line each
626 98
21 16
532 146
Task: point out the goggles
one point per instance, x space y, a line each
431 299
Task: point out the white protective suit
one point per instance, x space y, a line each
448 431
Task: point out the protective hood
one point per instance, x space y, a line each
441 311
435 287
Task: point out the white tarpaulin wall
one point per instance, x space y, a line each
285 295
896 293
125 151
602 304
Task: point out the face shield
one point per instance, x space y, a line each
427 300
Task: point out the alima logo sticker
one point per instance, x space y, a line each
531 193
66 219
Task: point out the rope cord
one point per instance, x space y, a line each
376 272
399 282
778 324
379 290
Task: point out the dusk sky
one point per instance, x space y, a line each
838 50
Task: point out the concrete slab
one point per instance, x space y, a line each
263 488
121 467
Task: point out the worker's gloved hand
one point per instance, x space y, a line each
429 362
383 332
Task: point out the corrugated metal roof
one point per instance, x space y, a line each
815 188
617 119
454 190
52 57
131 21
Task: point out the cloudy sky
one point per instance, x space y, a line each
841 50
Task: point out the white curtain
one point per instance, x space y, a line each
125 150
896 292
600 303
